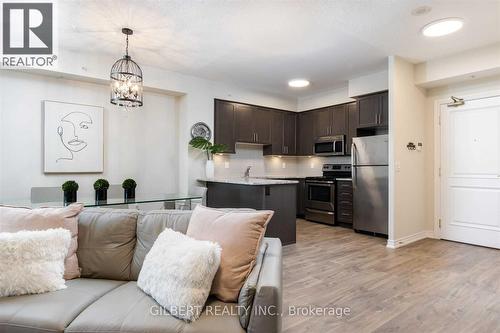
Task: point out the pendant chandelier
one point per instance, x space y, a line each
126 80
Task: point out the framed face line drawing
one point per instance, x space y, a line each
72 138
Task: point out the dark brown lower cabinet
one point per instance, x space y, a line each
343 214
279 198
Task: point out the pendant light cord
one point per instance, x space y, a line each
126 48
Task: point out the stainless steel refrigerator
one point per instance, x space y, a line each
370 179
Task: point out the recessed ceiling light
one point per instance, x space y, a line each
443 27
298 83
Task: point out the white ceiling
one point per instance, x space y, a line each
263 44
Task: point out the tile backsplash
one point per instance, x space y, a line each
234 165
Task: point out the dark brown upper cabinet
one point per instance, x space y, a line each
352 121
277 126
262 125
253 124
290 133
330 121
244 123
322 122
224 122
339 120
305 133
283 134
373 110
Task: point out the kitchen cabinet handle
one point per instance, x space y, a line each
256 137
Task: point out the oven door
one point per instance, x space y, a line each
320 195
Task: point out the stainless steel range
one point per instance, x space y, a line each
320 193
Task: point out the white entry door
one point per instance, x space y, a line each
470 172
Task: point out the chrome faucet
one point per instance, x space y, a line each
247 171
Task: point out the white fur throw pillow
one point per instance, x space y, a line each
178 272
32 262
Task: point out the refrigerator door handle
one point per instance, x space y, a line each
354 162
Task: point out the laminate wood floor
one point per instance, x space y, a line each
428 286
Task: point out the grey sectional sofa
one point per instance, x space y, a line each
112 244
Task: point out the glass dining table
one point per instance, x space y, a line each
117 202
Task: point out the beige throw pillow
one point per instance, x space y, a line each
14 219
239 234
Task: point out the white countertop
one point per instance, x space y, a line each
283 177
249 181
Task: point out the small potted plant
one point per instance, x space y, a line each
69 188
211 149
101 189
129 186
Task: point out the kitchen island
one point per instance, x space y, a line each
273 194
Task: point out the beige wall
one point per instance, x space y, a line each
480 62
407 171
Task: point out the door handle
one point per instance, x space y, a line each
354 162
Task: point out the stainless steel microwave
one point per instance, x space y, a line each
330 145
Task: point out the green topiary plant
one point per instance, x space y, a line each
207 146
70 186
129 184
101 184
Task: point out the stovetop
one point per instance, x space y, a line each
333 171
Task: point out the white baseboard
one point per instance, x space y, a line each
395 243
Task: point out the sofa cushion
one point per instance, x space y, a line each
128 309
239 234
51 312
13 219
106 242
149 226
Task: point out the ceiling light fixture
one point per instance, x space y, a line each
443 27
126 80
298 83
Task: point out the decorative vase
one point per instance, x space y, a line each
101 195
69 197
210 169
129 193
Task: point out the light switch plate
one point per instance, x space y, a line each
226 165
